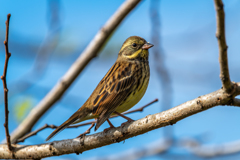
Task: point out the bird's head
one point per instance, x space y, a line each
135 48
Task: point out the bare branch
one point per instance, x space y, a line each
155 148
212 150
223 59
3 77
88 54
146 124
45 51
22 139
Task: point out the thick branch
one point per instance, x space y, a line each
22 139
88 54
148 123
223 59
3 77
236 102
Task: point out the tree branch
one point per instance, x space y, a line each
22 139
236 102
223 59
148 123
215 150
140 152
88 54
44 53
3 77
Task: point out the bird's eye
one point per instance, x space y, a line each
134 45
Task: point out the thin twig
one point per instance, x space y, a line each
118 134
138 109
43 55
22 139
88 54
3 77
79 125
223 59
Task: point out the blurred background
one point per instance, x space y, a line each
46 37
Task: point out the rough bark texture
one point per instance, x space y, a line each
224 96
148 123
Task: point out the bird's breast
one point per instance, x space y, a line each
139 89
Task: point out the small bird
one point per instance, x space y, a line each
120 89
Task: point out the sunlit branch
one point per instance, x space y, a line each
220 34
79 125
114 135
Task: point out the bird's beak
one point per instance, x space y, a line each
147 46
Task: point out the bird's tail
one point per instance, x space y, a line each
77 116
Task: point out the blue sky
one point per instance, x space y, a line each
187 38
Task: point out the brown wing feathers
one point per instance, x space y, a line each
81 113
61 127
106 113
118 82
115 88
123 79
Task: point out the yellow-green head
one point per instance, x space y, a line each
135 48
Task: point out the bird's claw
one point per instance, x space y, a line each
129 121
107 129
82 135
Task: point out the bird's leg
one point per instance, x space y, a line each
127 118
110 124
87 131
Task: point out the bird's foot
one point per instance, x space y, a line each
107 129
129 121
111 126
82 135
87 131
127 118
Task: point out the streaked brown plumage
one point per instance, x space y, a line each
120 89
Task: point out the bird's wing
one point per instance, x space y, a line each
118 84
77 115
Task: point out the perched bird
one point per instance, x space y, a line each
120 89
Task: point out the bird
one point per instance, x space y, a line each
119 90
